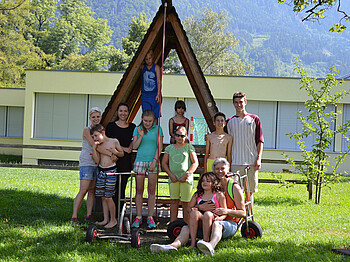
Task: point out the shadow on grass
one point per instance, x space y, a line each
64 246
278 200
31 208
267 250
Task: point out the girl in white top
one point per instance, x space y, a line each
87 168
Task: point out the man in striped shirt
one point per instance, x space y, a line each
247 143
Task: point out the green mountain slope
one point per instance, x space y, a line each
270 34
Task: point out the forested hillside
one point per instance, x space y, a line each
270 34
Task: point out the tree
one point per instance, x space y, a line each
319 121
316 9
16 51
213 45
137 30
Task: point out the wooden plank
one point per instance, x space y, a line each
72 148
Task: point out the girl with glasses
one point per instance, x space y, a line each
179 162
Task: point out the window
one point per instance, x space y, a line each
64 116
3 120
287 122
346 117
60 116
267 113
11 121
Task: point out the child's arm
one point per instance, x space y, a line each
107 152
95 154
87 136
165 166
222 203
156 155
137 139
192 169
192 204
171 127
187 125
207 152
118 150
158 97
229 149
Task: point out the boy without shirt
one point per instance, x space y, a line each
106 178
218 143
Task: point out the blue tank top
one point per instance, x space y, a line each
149 81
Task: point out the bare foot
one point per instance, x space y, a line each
111 224
102 223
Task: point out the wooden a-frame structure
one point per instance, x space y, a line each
129 88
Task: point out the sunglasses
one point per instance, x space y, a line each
178 135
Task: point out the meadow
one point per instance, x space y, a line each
36 205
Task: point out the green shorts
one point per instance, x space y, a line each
210 165
183 189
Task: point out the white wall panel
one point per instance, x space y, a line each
60 116
15 118
2 120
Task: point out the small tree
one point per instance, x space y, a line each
319 122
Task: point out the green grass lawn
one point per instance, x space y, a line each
36 205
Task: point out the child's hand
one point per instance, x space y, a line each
127 149
158 98
183 179
94 146
173 179
208 206
140 131
153 166
114 158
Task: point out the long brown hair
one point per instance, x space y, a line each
216 184
146 113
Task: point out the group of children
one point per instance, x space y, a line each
179 160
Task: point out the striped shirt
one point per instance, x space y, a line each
246 133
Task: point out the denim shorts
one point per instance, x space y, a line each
229 228
88 172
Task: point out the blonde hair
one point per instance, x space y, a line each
94 110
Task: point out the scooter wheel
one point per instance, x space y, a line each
254 230
91 234
126 225
174 228
135 238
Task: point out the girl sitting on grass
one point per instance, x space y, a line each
209 189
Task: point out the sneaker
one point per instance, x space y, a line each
74 221
90 220
150 223
137 222
162 248
205 247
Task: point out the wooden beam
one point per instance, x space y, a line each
194 73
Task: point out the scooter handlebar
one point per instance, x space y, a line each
237 173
